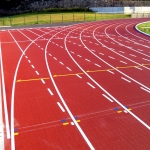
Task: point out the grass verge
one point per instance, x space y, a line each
145 27
37 18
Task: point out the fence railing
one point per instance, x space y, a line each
58 18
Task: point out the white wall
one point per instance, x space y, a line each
124 10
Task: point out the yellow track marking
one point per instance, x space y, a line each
16 133
64 75
65 123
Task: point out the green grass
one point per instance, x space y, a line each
46 18
145 27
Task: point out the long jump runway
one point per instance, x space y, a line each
78 87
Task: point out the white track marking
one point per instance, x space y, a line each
139 68
96 44
78 76
132 55
101 53
72 52
145 59
145 89
37 72
110 71
87 60
43 81
55 58
126 79
42 48
32 66
97 65
26 56
140 50
50 91
49 54
111 57
68 68
123 62
91 85
121 52
61 63
64 103
4 95
63 110
29 61
107 98
79 56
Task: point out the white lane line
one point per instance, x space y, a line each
29 61
91 85
92 50
49 54
32 66
110 71
61 63
42 48
4 101
87 60
145 89
39 46
68 68
26 56
138 68
132 55
79 56
121 52
145 59
97 65
111 57
50 91
126 79
101 53
79 45
55 58
127 41
90 42
107 98
105 41
43 81
78 76
96 44
63 110
123 62
37 72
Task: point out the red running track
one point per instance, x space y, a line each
84 86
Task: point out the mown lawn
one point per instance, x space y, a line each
145 27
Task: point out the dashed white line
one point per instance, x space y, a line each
29 61
55 58
123 62
68 68
110 71
97 65
37 72
107 98
91 85
132 55
139 68
96 44
79 56
87 60
101 53
50 91
32 66
49 54
111 57
63 110
26 56
43 81
121 52
145 59
145 89
61 63
78 76
140 50
72 52
126 79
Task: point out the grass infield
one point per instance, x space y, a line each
145 27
